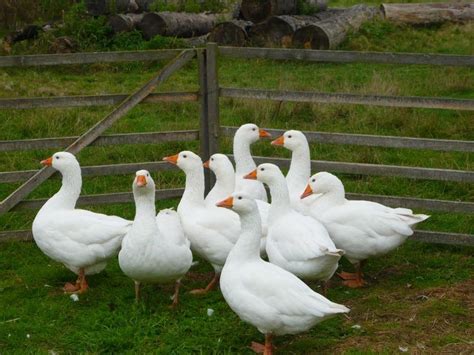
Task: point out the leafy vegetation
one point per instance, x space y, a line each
419 297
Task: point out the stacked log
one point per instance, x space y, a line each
231 33
259 10
329 33
420 14
177 24
124 22
278 31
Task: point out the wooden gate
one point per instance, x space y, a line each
210 129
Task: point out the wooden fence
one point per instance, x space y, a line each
210 129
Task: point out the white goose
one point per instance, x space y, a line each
246 135
212 231
363 229
295 242
270 298
148 254
80 239
300 167
222 167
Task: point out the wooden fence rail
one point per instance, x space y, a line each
91 100
112 139
87 58
355 99
373 140
379 169
309 55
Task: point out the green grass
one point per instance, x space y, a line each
418 296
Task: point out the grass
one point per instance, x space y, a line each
418 296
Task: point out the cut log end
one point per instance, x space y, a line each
311 37
151 25
231 33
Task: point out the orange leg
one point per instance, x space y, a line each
212 285
176 295
81 285
137 291
324 287
266 349
357 281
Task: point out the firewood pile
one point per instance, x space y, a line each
264 23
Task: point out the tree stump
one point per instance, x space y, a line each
329 33
231 33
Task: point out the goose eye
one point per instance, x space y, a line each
57 157
289 136
185 156
147 174
262 169
254 129
314 180
240 197
212 159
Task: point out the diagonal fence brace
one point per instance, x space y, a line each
95 131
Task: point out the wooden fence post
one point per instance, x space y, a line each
203 123
212 97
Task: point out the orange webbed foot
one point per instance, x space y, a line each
347 275
71 288
356 283
257 347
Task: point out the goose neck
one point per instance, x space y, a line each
194 187
244 162
300 167
70 189
248 244
280 195
225 180
145 209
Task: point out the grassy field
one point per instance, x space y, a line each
420 297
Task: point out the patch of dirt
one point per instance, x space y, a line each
421 325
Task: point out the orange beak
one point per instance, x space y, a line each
227 203
308 191
141 180
173 159
279 141
264 134
206 164
47 162
252 175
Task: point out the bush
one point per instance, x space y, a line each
89 32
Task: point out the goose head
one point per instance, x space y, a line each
250 133
62 161
185 160
219 164
240 203
291 140
143 183
322 183
266 173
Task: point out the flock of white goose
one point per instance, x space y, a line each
303 232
